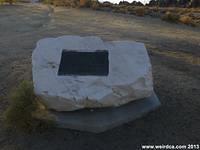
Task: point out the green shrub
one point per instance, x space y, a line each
47 1
170 17
19 114
7 1
2 1
11 1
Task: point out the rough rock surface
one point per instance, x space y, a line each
129 78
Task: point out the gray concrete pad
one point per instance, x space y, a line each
101 119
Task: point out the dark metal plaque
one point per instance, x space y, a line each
84 63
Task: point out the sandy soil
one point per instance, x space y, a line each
175 53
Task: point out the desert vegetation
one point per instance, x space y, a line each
7 2
174 3
173 14
23 110
174 11
170 17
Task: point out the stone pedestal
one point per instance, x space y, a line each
73 72
101 119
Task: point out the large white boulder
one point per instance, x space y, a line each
129 78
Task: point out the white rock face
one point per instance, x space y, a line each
129 78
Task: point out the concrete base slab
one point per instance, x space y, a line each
101 119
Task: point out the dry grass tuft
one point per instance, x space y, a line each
66 3
140 11
170 17
1 2
186 20
95 5
122 10
19 114
7 1
85 3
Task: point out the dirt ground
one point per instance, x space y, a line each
175 54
